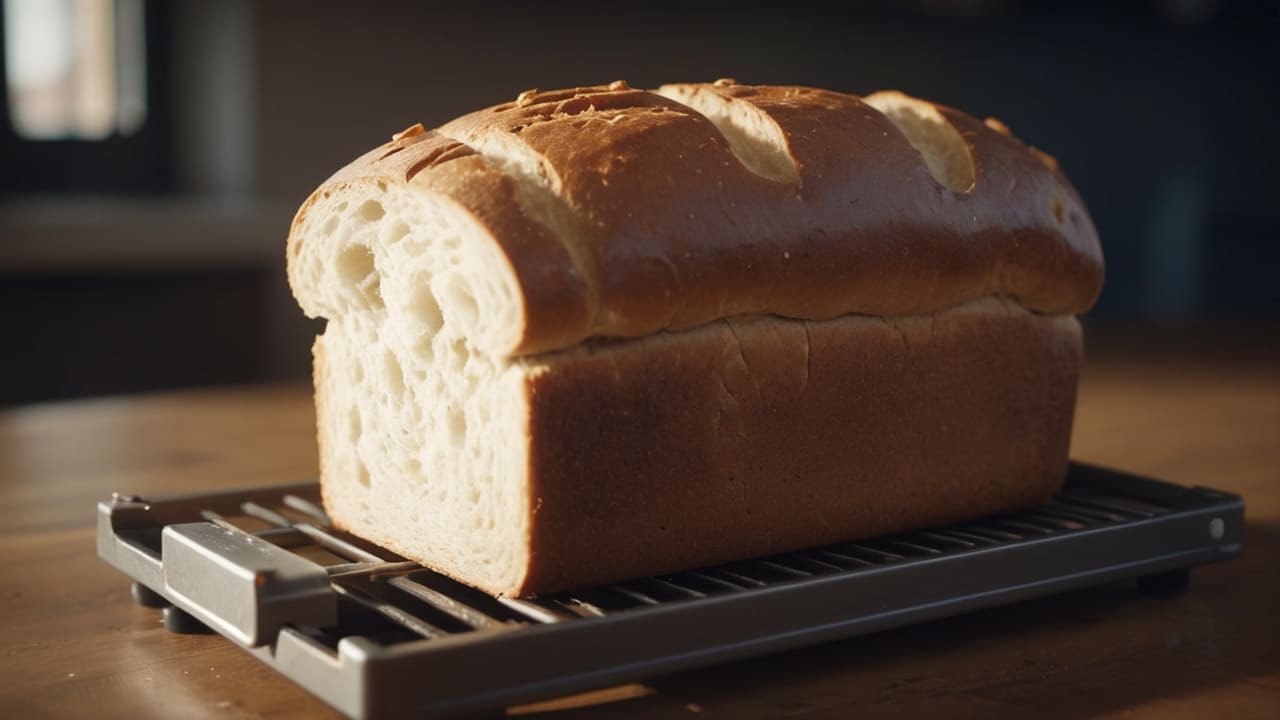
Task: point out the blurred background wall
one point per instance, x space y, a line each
152 153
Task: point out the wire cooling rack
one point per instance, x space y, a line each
377 636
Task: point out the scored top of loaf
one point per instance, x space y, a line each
616 212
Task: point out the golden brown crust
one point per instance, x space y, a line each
746 438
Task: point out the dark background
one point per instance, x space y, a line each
156 261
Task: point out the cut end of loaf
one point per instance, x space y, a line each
426 466
372 247
419 437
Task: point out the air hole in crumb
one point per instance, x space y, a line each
393 372
358 275
353 425
457 355
354 264
458 301
425 310
371 211
457 426
362 474
1059 212
423 348
395 232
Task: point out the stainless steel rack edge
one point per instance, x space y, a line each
272 601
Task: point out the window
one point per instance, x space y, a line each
83 98
75 68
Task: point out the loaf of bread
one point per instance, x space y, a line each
600 333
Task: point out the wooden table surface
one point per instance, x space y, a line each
75 644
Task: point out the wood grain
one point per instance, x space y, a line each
77 646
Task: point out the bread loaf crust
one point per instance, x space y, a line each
753 437
662 226
603 332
